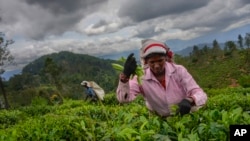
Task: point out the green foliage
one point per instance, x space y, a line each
109 120
22 98
52 71
220 99
5 55
23 81
44 94
66 70
244 81
5 59
10 118
49 113
36 110
41 101
219 66
217 71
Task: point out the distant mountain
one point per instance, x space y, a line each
74 68
115 56
183 52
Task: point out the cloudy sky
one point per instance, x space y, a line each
98 27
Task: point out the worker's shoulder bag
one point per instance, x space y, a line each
97 89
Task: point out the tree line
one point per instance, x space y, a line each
219 66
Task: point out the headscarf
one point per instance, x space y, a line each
150 46
85 83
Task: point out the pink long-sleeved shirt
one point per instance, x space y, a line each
179 85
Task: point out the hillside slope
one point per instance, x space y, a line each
211 71
74 68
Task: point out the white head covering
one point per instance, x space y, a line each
83 83
150 46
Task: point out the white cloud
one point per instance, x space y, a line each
98 27
237 25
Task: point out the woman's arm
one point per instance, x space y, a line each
194 93
127 89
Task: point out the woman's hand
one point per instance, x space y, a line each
130 65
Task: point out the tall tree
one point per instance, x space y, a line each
240 41
53 71
195 54
5 59
231 46
216 45
216 50
196 51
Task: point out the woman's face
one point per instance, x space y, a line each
156 63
